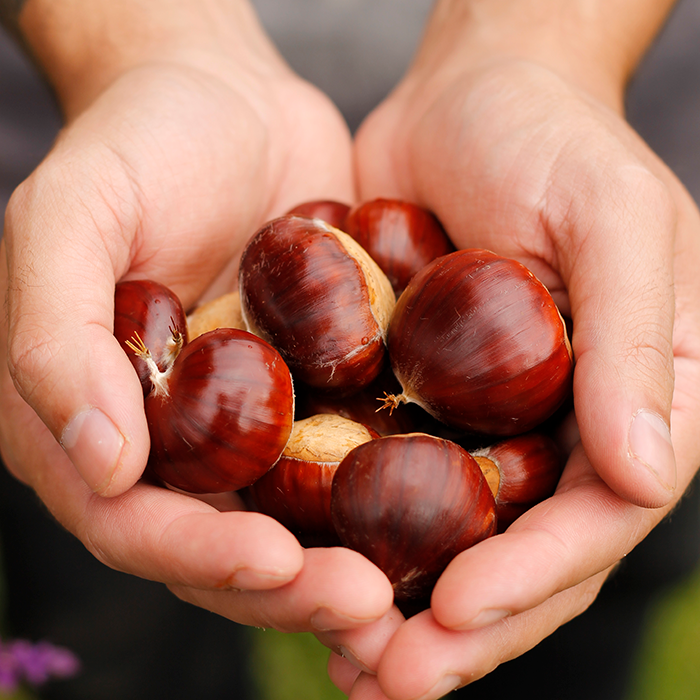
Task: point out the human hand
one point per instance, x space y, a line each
525 151
185 131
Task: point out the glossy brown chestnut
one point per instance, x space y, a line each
521 472
221 415
410 504
328 210
314 294
297 490
154 313
401 237
222 312
478 342
362 407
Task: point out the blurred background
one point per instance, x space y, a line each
132 633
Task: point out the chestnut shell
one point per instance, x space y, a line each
402 237
297 490
307 296
222 312
227 415
477 341
410 504
153 311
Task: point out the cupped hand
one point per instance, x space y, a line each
515 158
164 173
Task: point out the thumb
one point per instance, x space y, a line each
62 355
622 304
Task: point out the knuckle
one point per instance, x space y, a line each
31 354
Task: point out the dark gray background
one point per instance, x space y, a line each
356 50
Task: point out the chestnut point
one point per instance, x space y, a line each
314 294
410 503
477 341
362 407
151 311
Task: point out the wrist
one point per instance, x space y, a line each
594 44
83 47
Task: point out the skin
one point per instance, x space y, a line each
534 160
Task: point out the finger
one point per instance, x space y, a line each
424 661
64 359
342 673
148 531
617 262
336 588
554 546
366 687
179 540
362 647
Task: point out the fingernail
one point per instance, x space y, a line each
445 685
327 619
249 580
485 618
352 658
650 445
94 445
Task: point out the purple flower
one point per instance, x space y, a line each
9 671
21 660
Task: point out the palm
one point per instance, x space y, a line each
203 166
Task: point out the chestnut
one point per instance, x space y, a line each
362 407
314 294
222 312
297 490
401 237
410 503
329 210
220 415
521 471
477 341
153 312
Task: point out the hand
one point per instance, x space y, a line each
174 152
533 159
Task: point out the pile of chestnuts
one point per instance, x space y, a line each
367 385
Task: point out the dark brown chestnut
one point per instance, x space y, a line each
314 294
478 342
521 472
410 504
401 237
329 210
362 407
153 312
221 414
297 490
